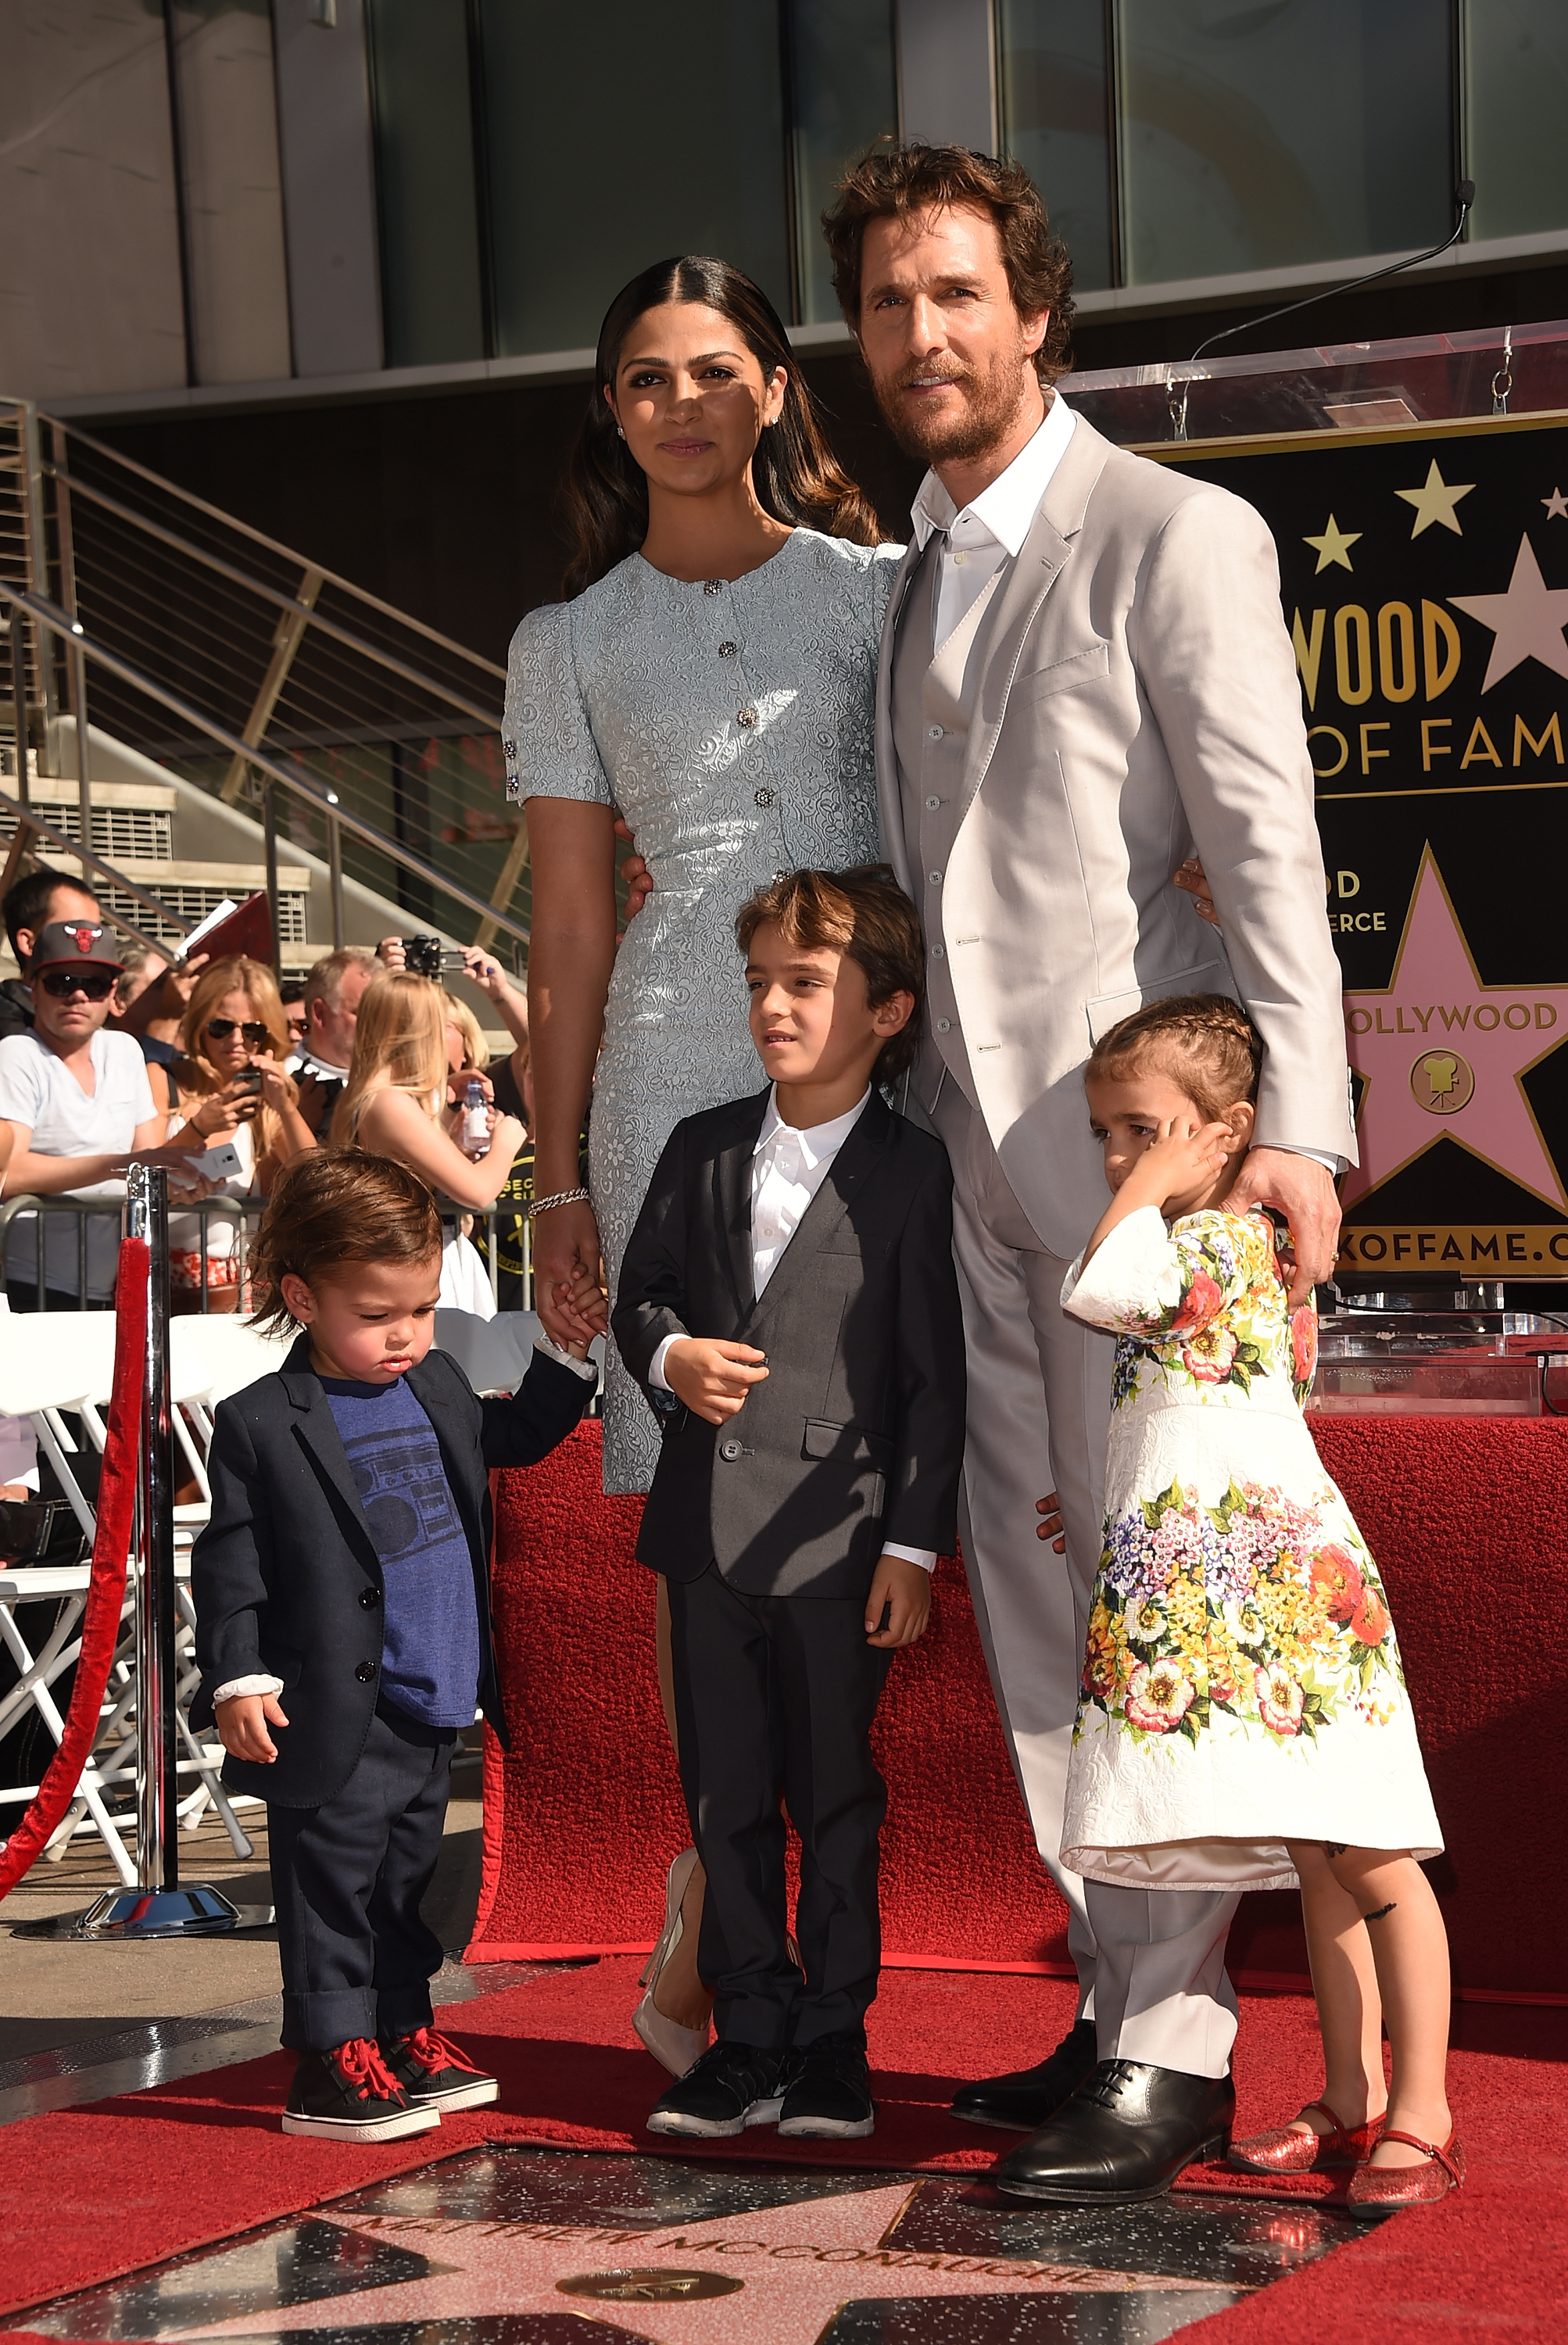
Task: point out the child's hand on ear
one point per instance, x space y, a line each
1184 1157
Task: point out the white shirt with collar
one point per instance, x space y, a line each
992 527
788 1166
990 531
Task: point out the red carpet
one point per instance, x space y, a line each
1469 1520
92 2193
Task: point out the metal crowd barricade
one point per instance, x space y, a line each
196 1285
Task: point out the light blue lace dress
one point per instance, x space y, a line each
733 727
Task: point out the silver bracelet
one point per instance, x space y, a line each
562 1197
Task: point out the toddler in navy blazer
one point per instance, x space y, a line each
343 1608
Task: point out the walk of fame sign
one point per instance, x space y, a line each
1424 578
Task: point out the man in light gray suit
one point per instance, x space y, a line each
1085 677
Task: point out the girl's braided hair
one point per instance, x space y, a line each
1204 1042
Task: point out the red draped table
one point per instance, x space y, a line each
1468 1518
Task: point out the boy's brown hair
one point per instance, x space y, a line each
893 181
864 914
1204 1042
334 1207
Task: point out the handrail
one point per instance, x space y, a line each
260 537
325 803
28 814
275 594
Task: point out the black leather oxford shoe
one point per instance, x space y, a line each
1125 2134
1020 2102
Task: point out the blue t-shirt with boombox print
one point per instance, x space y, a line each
430 1637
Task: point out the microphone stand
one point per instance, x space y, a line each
1464 198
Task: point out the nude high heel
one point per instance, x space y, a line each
675 2045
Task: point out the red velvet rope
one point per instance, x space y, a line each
106 1587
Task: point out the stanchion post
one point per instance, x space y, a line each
159 1906
158 1850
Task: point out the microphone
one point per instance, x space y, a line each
1464 198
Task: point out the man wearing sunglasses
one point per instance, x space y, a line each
80 1110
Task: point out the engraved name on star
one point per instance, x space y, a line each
1556 505
1527 622
1435 501
1334 545
798 2265
1437 1008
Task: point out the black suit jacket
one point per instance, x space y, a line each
857 1435
286 1578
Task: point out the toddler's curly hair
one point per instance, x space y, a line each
1204 1042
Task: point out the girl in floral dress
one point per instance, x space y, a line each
1243 1721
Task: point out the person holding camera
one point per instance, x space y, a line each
230 1089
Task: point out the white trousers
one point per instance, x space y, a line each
1150 1962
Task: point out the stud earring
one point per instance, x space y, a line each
619 434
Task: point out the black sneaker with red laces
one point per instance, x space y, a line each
435 2074
349 2094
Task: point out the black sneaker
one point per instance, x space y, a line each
435 2074
827 2092
731 2086
347 2095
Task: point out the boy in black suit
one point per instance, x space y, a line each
342 1600
789 1303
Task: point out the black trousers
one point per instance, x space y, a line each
347 1882
774 1697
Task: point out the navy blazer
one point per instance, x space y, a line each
856 1437
286 1578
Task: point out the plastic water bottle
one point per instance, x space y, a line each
476 1118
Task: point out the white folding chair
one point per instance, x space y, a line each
495 1353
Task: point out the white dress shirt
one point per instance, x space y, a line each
788 1168
989 532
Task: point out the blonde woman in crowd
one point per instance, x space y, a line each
394 1104
229 1084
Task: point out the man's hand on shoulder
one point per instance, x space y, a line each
902 1590
712 1378
1303 1190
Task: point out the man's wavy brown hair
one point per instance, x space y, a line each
892 181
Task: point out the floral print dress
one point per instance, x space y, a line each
1242 1684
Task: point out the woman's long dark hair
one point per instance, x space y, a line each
797 476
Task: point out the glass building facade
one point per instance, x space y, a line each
218 191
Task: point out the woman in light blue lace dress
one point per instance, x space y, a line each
712 682
713 685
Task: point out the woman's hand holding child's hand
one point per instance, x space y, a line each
243 1723
712 1378
902 1590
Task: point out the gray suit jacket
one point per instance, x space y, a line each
1138 701
857 1434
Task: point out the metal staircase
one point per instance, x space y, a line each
346 737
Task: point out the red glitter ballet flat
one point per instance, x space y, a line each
1378 2190
1287 2150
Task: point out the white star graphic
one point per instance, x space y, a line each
1435 501
1334 545
1556 505
797 2264
1527 622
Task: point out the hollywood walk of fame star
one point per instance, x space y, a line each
1526 622
1556 505
797 2264
1436 1010
1334 545
1435 501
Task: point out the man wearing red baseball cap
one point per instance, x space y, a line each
79 1109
